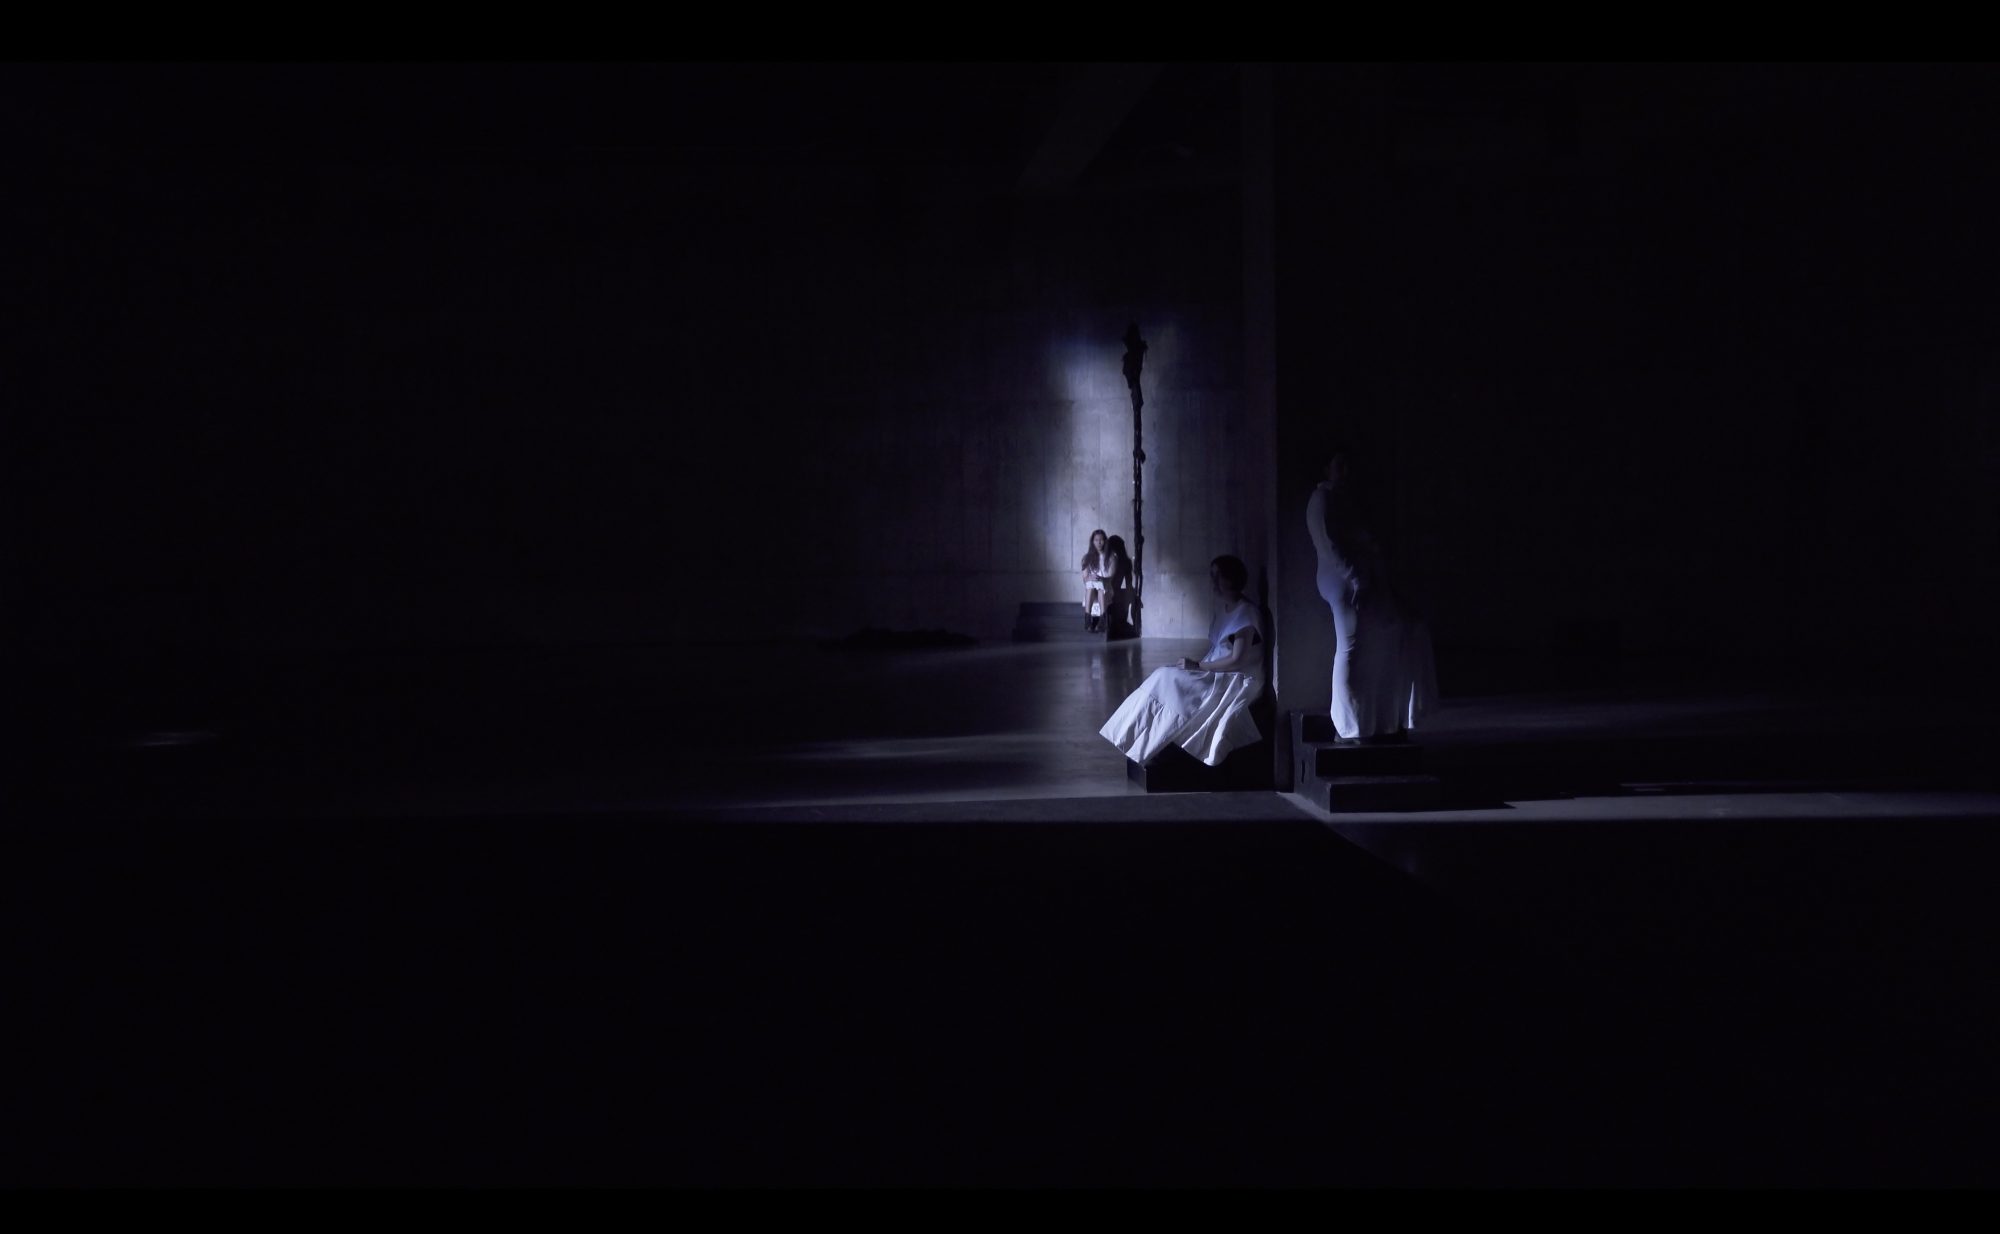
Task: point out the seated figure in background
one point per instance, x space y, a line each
1096 571
1117 586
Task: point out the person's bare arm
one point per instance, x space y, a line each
1242 650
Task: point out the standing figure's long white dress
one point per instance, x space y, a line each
1205 713
1384 673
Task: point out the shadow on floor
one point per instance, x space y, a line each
685 1001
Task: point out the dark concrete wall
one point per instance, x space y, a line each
1651 361
1656 360
294 378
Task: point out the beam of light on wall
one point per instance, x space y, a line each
1089 373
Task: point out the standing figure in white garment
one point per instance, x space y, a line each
1384 674
1202 706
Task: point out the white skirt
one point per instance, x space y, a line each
1384 675
1206 714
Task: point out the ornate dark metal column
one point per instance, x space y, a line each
1135 360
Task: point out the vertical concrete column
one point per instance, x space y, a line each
1260 373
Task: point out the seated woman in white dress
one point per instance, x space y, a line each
1202 706
1096 571
1384 675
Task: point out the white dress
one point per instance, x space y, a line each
1205 713
1093 584
1384 674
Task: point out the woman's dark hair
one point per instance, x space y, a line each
1233 571
1090 554
1121 561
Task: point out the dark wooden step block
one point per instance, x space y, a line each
1376 794
1316 728
1067 634
1174 770
1054 621
1312 727
1052 608
1325 762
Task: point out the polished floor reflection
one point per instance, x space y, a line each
676 730
794 916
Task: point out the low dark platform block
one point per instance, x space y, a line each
1053 621
1359 777
1376 794
1327 762
1174 770
1316 727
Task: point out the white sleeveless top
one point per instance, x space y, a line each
1243 616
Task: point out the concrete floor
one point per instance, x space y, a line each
791 916
791 727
